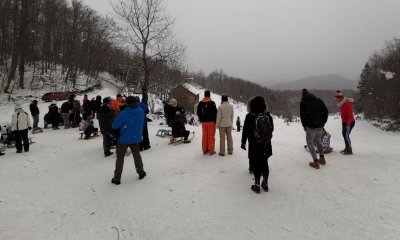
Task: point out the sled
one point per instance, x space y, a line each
94 134
179 140
12 143
326 151
38 130
164 132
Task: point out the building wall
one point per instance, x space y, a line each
185 98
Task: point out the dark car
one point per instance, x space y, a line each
57 96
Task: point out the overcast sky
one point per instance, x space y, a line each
280 40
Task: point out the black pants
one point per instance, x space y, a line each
146 141
260 168
21 136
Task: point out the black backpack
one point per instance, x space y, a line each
263 128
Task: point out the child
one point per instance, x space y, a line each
325 140
178 127
89 129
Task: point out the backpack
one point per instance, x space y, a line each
263 129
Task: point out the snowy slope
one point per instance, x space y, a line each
61 189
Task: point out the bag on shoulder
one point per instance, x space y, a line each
263 129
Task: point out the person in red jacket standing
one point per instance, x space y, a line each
346 112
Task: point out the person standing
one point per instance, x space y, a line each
346 112
145 144
35 115
224 123
238 124
115 104
313 116
207 113
54 115
66 109
130 123
21 123
257 129
105 115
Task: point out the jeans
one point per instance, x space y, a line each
346 130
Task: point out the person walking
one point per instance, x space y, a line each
207 113
105 115
130 122
238 124
257 129
35 115
346 112
20 124
313 116
224 123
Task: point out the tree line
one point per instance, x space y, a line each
379 85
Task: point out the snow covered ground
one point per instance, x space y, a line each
61 189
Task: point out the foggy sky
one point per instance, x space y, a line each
266 41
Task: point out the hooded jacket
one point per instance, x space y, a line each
20 120
130 122
346 110
207 110
313 112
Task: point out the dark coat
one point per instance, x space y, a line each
313 112
207 110
256 150
178 127
66 107
105 117
34 109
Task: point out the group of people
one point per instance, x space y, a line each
124 120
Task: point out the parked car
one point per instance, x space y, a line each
57 96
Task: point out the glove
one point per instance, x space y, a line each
243 146
29 128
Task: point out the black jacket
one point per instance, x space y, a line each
256 150
207 111
105 117
66 107
178 127
34 109
313 112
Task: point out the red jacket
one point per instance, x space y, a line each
346 111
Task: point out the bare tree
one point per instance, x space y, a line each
150 33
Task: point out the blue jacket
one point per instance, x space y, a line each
130 122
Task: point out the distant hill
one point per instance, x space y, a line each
326 82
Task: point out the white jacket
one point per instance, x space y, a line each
20 120
224 115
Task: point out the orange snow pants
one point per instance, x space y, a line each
208 141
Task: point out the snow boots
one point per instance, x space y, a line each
314 164
116 181
347 151
255 188
322 160
264 185
142 175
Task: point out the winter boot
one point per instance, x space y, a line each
142 175
344 150
115 181
186 141
348 151
108 154
264 185
255 188
314 164
322 160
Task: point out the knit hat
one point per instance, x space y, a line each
339 94
35 101
304 92
207 93
18 106
131 100
54 102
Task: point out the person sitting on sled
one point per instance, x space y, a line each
178 128
325 140
90 129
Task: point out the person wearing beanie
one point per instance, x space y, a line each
35 115
207 113
105 115
346 112
313 116
259 152
130 123
224 124
20 124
